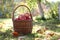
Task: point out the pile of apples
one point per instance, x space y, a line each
25 16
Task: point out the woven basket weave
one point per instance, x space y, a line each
22 26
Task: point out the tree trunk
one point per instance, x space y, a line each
59 10
1 2
40 9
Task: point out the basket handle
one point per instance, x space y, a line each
18 7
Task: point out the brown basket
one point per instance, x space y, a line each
22 26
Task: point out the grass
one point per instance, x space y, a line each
52 25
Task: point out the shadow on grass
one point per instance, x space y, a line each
50 24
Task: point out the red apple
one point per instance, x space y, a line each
17 19
28 18
22 17
15 34
27 15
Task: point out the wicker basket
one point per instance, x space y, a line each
22 26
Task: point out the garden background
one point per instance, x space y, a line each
46 15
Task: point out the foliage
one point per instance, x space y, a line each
53 13
54 10
6 8
31 3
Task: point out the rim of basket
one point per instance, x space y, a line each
23 20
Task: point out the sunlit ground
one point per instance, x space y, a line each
53 27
